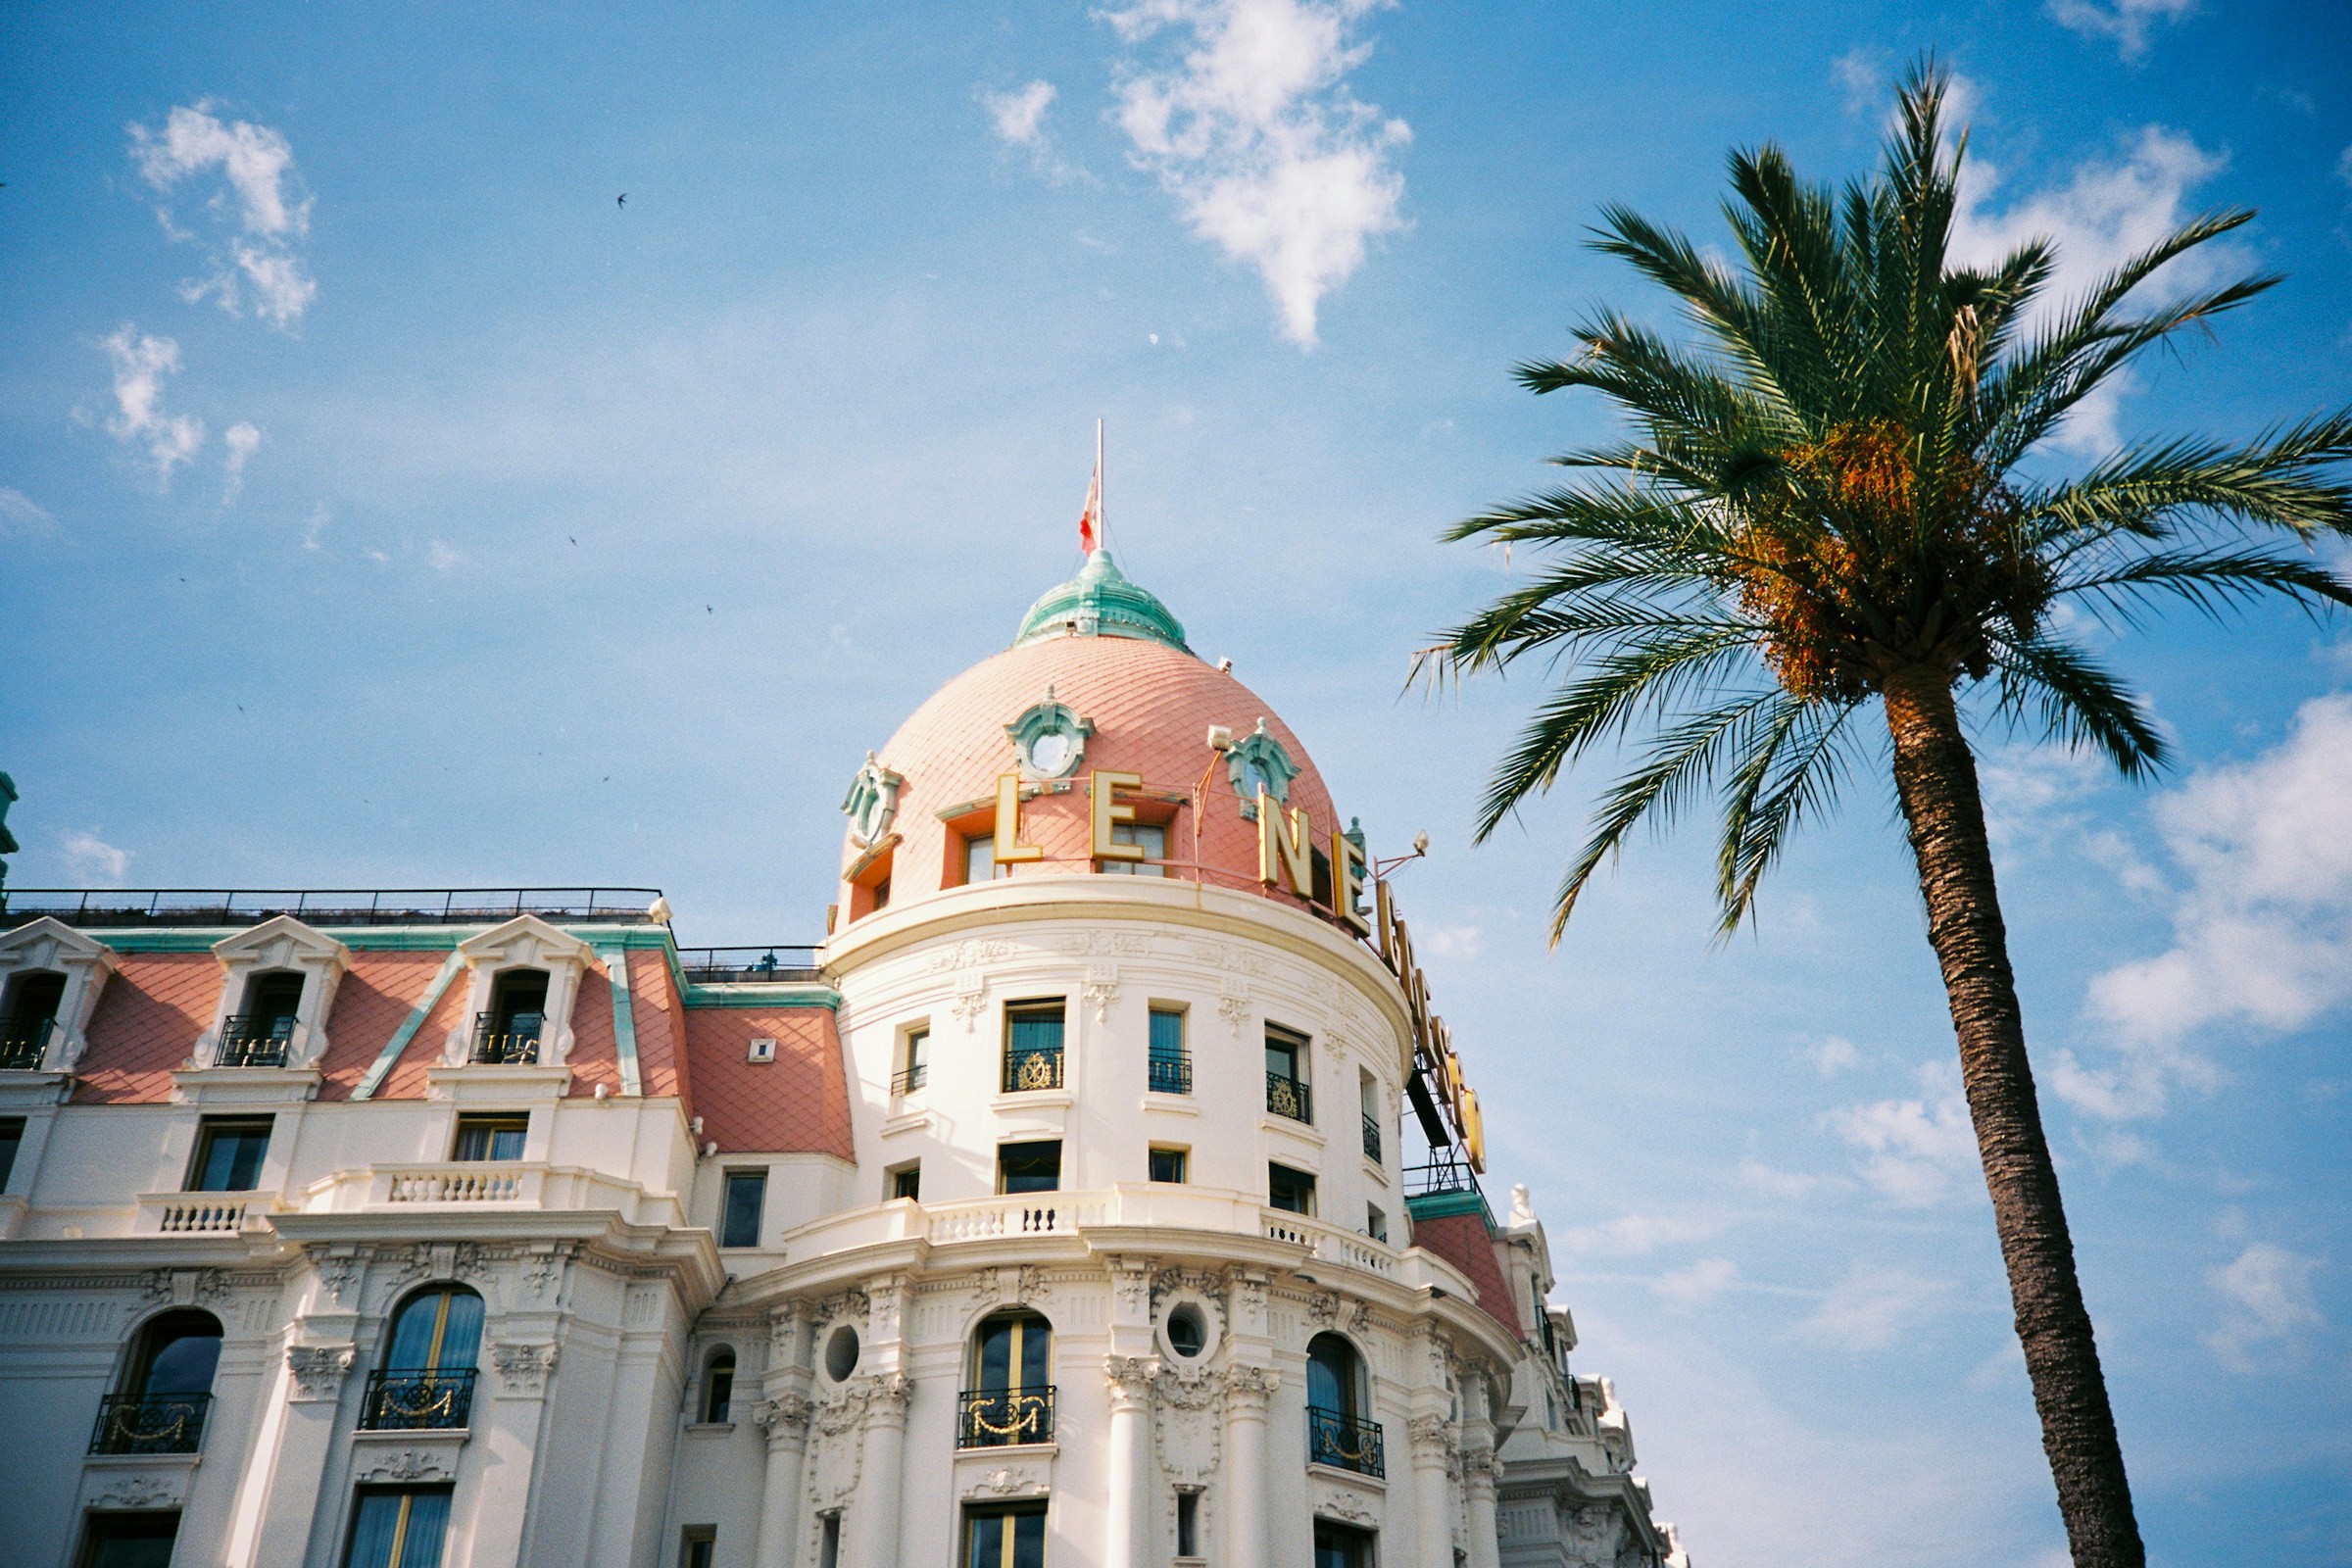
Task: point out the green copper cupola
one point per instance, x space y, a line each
1100 601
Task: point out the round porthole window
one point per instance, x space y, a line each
1188 1334
841 1353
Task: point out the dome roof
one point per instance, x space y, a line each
1128 695
1100 601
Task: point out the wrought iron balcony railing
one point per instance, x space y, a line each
515 1045
417 1401
1032 1069
1371 1139
1172 1075
254 1040
329 906
150 1423
21 1052
997 1418
903 1084
774 963
1335 1438
1288 1097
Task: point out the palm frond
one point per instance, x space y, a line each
2211 581
2078 703
1793 776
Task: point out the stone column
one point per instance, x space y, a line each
1247 1391
1128 1508
1481 1471
510 1447
314 1375
1433 1492
874 1514
785 1418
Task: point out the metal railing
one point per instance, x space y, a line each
23 1053
999 1418
1025 1070
150 1423
417 1401
775 961
1440 1176
251 1040
1289 1097
223 906
1371 1139
1335 1438
516 1046
1170 1075
906 1082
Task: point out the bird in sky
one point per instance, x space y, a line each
575 541
707 611
623 200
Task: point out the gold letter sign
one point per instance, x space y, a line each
1010 846
1101 788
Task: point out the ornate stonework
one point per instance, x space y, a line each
318 1370
524 1369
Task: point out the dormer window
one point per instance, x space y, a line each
30 1016
259 1036
519 1003
507 1034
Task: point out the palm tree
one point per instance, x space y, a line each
1825 505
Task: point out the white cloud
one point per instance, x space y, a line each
260 196
141 362
1021 117
2343 166
442 556
1455 941
1630 1236
1833 1054
241 437
1753 1173
1698 1284
1871 1308
2269 1296
1919 1148
2262 930
2108 210
1255 133
2127 21
20 514
315 526
92 858
1861 71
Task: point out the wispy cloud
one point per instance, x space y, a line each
2127 21
1862 71
1698 1284
2268 1295
442 556
1753 1173
1922 1149
141 362
1020 116
1872 1308
258 201
22 515
1832 1055
241 438
1629 1235
2262 917
92 859
1254 130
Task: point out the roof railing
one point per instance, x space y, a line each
328 906
777 961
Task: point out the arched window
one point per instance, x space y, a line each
29 1016
431 1359
509 1033
258 1037
1009 1396
1338 1402
718 1384
166 1388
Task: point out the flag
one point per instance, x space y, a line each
1090 521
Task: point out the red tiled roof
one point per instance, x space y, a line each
375 999
1462 1241
799 1102
145 1026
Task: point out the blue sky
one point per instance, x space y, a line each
381 503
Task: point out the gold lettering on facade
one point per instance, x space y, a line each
1008 847
1101 788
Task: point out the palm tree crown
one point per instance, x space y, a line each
1825 495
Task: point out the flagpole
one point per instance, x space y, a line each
1101 512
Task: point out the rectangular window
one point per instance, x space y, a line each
1287 1056
914 1061
907 1181
11 1138
1154 841
1170 1064
1033 1045
699 1546
1376 1223
228 1154
1168 1164
1338 1547
399 1527
747 1195
1005 1537
130 1540
828 1541
1188 1524
33 1004
980 859
1292 1190
1029 1167
491 1137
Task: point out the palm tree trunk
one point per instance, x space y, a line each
1935 780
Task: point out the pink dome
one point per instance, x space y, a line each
1150 705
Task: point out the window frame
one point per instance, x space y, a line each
1182 1156
209 1131
492 1124
408 1496
1305 1177
1012 1080
904 1182
733 1178
714 1395
1004 1176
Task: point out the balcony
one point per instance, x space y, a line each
486 1185
999 1418
1289 1097
254 1040
417 1401
23 1053
150 1423
903 1084
1026 1070
1170 1074
1344 1441
1372 1139
197 1213
774 965
506 1043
